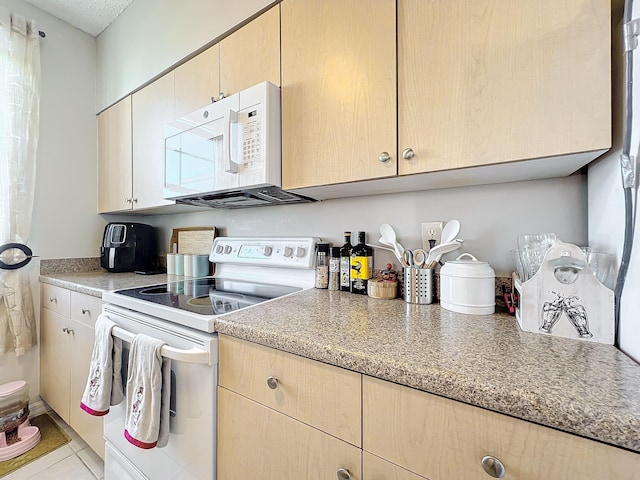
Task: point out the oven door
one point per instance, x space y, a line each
191 450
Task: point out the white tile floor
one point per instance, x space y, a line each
74 460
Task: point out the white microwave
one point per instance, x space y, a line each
228 154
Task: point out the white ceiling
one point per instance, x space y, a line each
90 16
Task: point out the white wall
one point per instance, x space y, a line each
65 223
152 35
491 217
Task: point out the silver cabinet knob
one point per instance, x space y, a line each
408 153
53 299
65 329
134 200
343 474
85 311
221 96
70 330
384 157
272 383
127 200
493 466
212 99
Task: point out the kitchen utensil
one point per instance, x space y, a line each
415 258
532 248
436 252
467 285
450 231
389 249
388 234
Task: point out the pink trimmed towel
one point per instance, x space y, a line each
104 385
148 394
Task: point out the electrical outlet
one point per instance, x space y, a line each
431 234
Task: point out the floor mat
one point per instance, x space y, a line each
52 437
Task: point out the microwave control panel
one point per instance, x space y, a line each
252 155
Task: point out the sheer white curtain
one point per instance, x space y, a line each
19 127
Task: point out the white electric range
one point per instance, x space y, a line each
182 313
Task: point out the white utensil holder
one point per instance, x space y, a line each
565 298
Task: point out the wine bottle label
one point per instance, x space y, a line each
345 265
360 268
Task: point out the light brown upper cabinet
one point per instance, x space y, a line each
114 158
197 81
251 54
490 81
480 83
153 107
338 91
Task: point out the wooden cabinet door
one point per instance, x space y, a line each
257 442
87 426
485 82
55 356
115 158
443 439
152 108
197 81
338 91
251 54
375 468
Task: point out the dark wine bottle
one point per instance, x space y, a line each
345 263
361 265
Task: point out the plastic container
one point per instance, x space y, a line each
467 285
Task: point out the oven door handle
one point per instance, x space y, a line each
191 355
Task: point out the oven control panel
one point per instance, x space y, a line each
286 252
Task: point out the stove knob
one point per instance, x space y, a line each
219 249
268 251
288 251
227 249
300 251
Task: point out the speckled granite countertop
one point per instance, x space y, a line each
585 388
95 282
580 387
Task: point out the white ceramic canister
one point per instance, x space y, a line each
467 285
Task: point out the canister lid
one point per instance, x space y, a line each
469 267
12 387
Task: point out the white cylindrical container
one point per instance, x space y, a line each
188 265
171 263
467 285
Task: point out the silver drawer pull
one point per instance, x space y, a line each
343 474
272 382
493 466
85 311
53 299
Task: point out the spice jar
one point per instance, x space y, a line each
334 268
322 265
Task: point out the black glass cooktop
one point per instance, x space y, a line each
208 296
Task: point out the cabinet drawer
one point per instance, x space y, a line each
257 442
85 308
321 395
54 298
443 439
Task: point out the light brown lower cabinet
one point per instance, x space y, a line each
444 439
256 442
375 468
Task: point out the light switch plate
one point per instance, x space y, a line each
431 234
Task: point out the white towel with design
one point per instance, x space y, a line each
148 394
104 385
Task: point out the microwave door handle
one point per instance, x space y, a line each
232 167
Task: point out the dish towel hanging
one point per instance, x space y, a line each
148 394
104 385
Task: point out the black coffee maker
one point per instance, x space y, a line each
128 247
